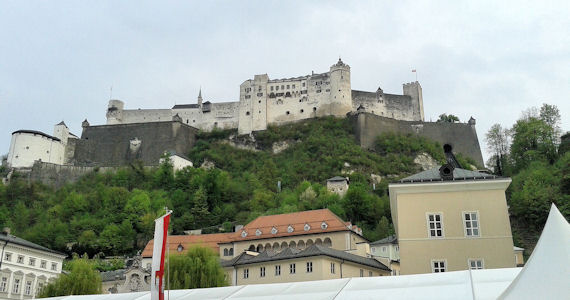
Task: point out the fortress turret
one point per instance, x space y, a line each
61 132
341 93
414 90
115 112
200 97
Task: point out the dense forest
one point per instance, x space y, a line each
113 213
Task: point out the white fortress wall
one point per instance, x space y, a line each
146 115
29 146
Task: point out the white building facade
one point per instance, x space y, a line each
26 267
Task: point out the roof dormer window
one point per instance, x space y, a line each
258 232
274 230
243 233
324 225
307 227
290 229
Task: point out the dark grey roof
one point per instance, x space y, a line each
10 239
387 240
314 250
62 123
113 275
458 174
36 132
337 178
179 106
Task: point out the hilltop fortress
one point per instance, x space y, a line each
146 134
264 101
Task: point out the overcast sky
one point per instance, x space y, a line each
490 60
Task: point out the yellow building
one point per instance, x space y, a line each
450 219
291 265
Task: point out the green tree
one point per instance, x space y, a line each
198 268
448 118
532 141
82 279
497 139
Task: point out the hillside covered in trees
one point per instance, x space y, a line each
113 213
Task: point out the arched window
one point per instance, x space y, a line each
259 248
251 248
284 245
226 252
309 243
292 245
327 242
268 246
301 245
276 246
231 252
319 242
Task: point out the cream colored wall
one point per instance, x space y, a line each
417 249
519 258
321 271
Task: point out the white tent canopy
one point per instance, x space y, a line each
545 276
477 284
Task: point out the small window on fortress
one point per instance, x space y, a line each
193 121
277 88
259 101
187 121
47 151
293 86
318 91
288 86
287 112
282 87
302 111
247 113
327 90
314 109
272 88
27 147
303 84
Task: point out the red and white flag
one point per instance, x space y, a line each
158 252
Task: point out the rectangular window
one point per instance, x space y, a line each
471 221
293 86
283 87
54 266
361 273
8 256
369 273
43 264
383 248
278 270
288 86
20 259
32 261
39 288
309 267
3 283
476 264
332 268
272 88
16 286
438 266
28 288
262 272
245 273
292 269
435 225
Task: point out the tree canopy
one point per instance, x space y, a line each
448 118
82 279
199 267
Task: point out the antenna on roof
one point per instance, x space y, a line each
111 93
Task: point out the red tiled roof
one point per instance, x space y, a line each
265 224
314 218
207 240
